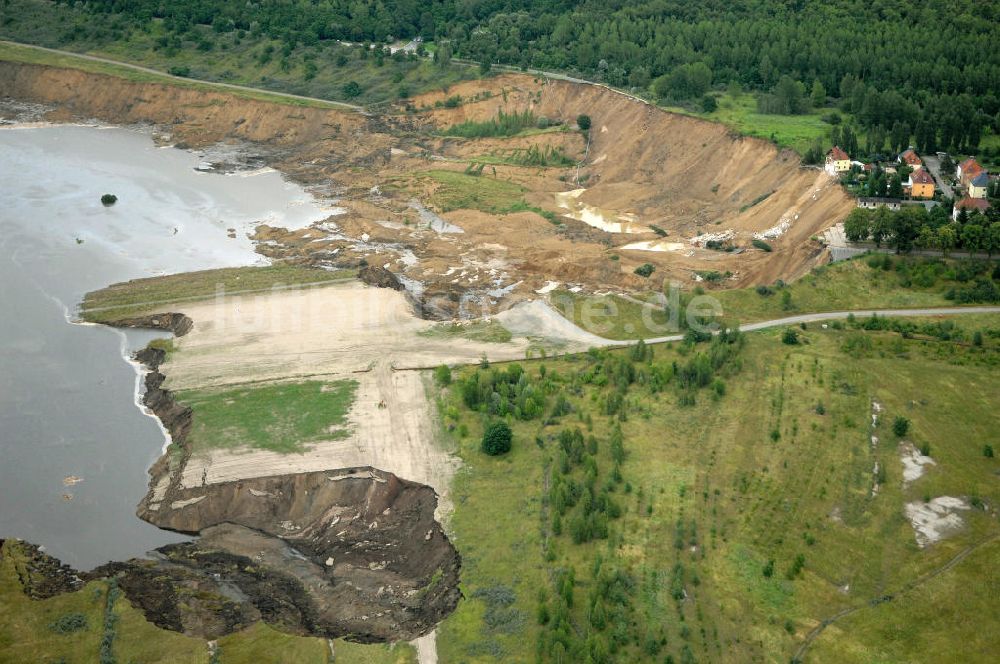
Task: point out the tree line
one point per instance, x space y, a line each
913 227
928 70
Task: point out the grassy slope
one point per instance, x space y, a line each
836 287
140 296
797 132
230 61
283 417
749 498
26 637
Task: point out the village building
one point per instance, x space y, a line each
870 203
967 170
970 204
920 185
911 159
979 185
837 161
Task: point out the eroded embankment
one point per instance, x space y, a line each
353 553
684 175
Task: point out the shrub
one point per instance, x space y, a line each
760 244
900 426
108 200
583 122
765 291
352 89
178 70
497 438
820 408
656 229
988 451
790 336
645 270
768 570
69 623
925 449
443 375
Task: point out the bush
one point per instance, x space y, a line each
900 426
69 623
583 122
497 438
765 291
760 244
645 270
108 200
443 375
988 451
352 89
179 71
709 104
790 336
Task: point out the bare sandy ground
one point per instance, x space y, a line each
936 519
343 331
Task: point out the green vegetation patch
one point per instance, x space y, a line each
636 515
282 417
504 124
474 191
139 296
485 331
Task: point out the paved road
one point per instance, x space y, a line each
934 166
830 315
148 70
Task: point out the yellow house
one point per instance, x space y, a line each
978 185
837 161
920 184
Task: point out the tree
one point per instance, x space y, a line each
583 122
818 94
947 237
352 89
895 186
497 438
900 426
107 200
709 104
857 226
790 336
881 225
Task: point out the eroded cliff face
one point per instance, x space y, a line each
353 553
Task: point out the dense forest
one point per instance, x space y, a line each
927 70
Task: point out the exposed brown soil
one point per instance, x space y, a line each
681 174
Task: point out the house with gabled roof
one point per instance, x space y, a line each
967 170
979 185
911 159
970 204
837 161
920 184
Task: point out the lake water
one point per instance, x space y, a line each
67 392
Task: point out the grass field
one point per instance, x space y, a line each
283 417
141 296
775 464
797 132
853 284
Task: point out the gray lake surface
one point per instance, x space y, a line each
68 394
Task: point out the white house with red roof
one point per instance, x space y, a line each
911 159
837 161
